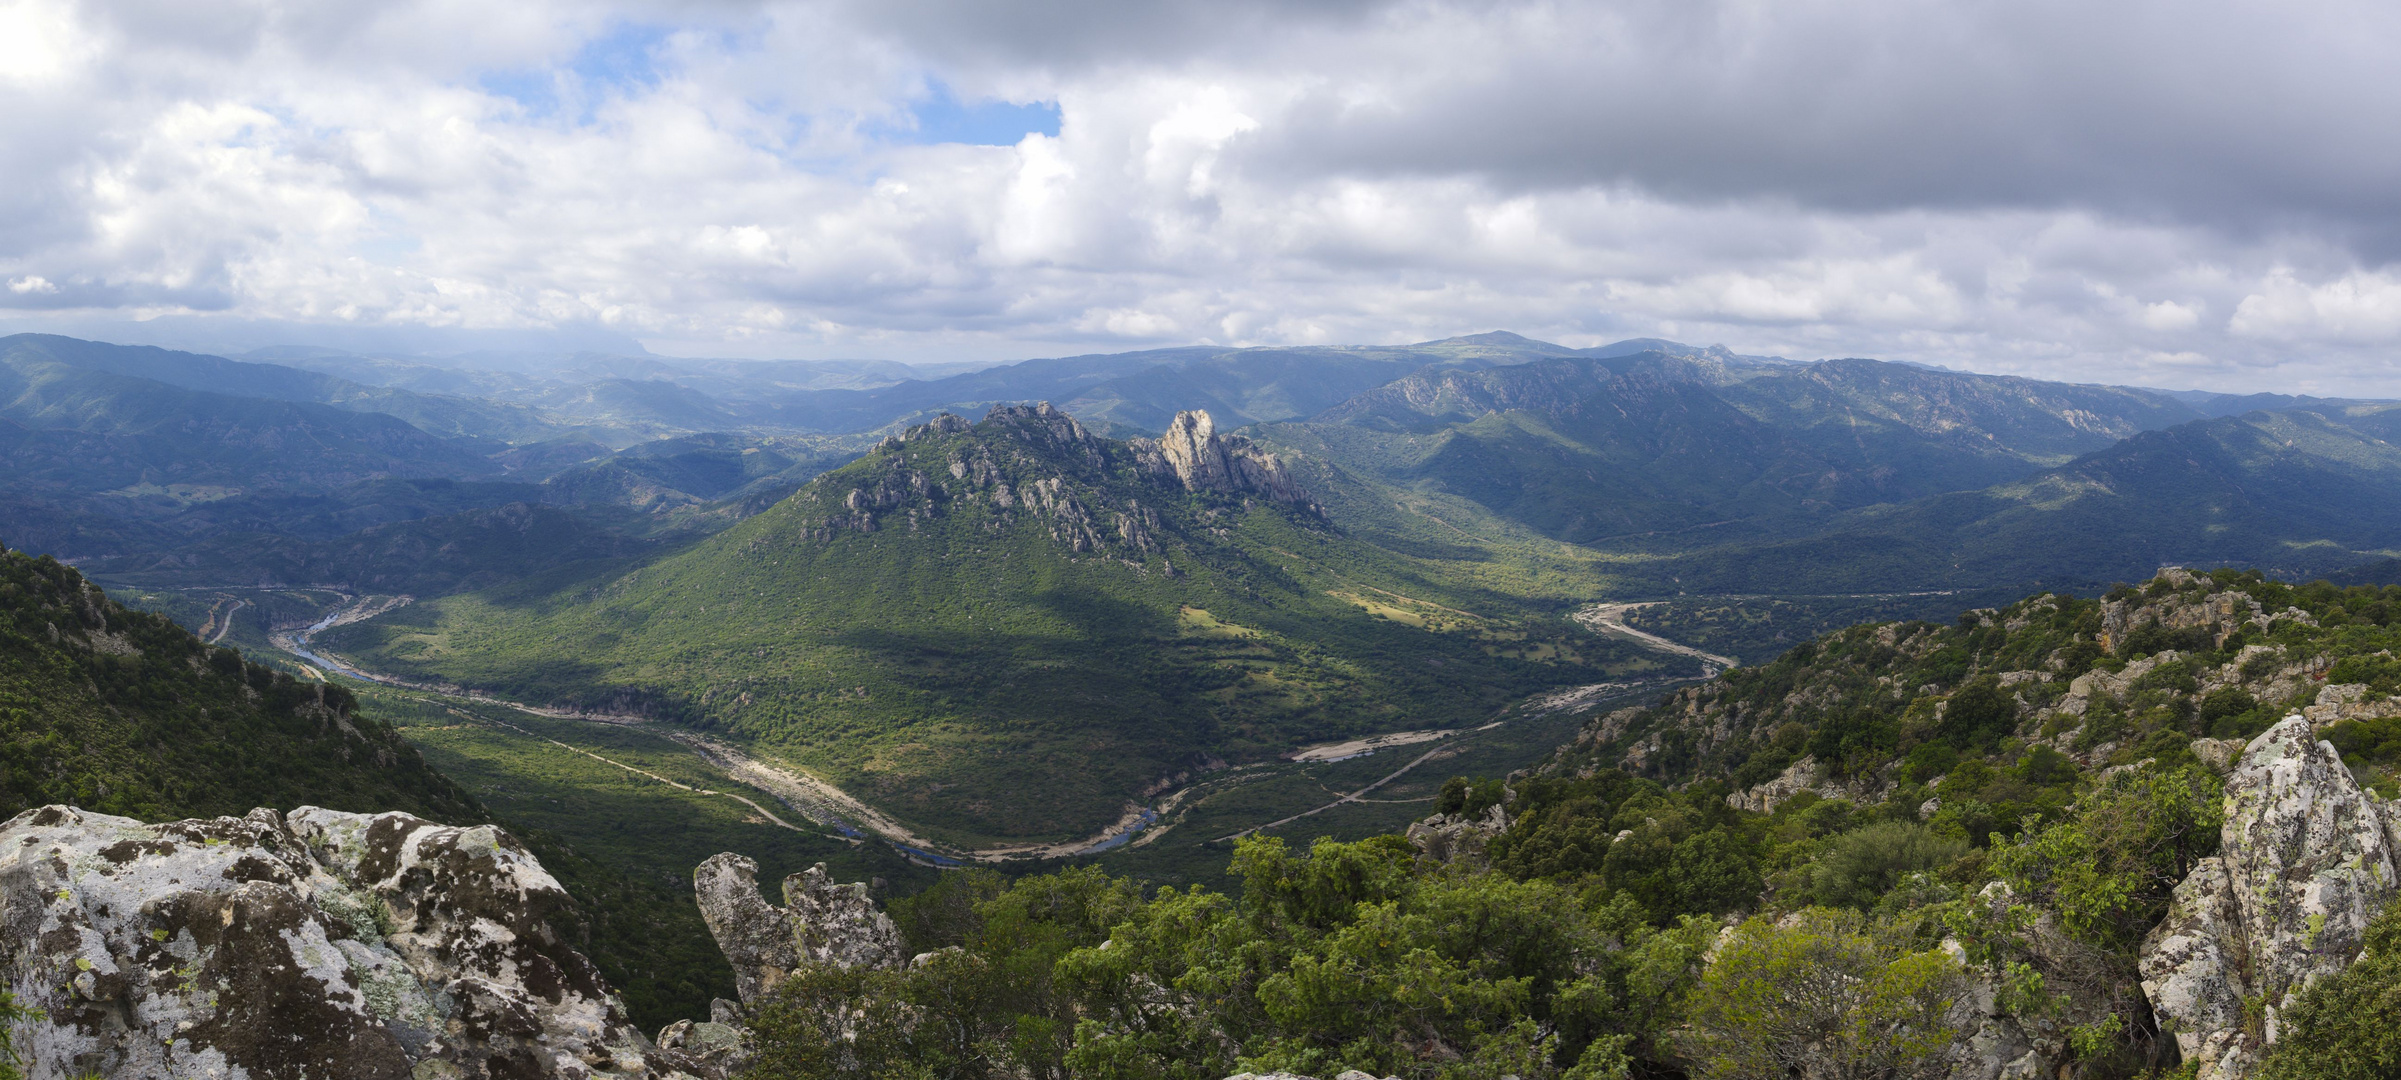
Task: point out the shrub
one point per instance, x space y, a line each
10 1014
2381 673
1978 715
2109 868
1929 760
1824 997
2347 1027
1859 866
2229 713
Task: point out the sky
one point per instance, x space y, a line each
2194 194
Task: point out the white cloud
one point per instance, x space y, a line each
2047 188
2352 308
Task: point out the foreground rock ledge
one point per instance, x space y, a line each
2306 859
323 944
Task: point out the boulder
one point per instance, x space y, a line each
323 945
2305 861
821 922
1457 838
1346 1074
2349 701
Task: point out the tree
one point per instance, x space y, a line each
1822 996
2108 868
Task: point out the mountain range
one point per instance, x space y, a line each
589 530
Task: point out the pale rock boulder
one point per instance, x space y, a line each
821 923
1458 838
325 945
2306 861
1796 778
1346 1074
2349 701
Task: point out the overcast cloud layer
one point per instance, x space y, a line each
2202 193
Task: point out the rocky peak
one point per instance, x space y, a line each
1202 460
821 923
319 944
2307 858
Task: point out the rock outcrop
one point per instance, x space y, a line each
1202 460
322 944
1458 838
2307 858
1346 1074
821 922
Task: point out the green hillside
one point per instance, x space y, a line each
1009 630
127 713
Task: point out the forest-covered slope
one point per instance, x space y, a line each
124 712
1012 628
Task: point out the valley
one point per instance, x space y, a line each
823 807
931 629
925 624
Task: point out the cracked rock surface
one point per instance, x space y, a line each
2307 858
325 945
821 922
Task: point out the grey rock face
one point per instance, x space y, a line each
1203 460
821 922
2349 701
1457 838
326 945
1346 1074
2306 861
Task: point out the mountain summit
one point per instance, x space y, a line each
1005 630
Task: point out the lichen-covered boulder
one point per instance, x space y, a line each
324 945
1458 838
821 922
2305 861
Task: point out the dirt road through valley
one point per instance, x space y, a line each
1610 620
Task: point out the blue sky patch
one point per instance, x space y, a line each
620 62
942 118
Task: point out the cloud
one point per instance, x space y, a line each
2120 192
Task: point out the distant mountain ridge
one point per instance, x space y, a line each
1634 447
2297 493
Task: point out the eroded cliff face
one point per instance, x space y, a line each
322 944
2308 858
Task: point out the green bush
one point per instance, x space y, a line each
10 1014
1823 997
2108 869
2347 1027
1858 867
2381 673
1978 715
